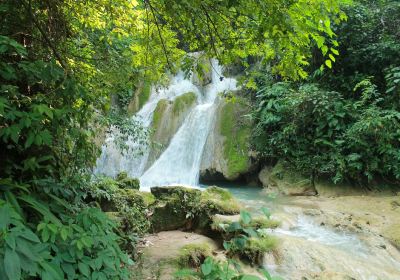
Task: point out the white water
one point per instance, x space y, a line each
112 161
309 248
180 162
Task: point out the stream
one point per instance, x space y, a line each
309 250
308 247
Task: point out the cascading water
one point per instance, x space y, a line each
112 161
180 162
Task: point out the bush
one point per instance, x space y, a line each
320 133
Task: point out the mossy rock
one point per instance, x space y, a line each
175 207
193 255
140 97
217 200
221 222
255 248
236 131
127 182
184 101
159 112
281 178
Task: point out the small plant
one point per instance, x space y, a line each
193 255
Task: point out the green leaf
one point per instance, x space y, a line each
29 140
10 240
245 217
26 248
328 63
12 264
266 212
51 271
334 51
64 233
206 267
84 268
45 234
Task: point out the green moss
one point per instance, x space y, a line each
192 255
158 113
218 200
236 133
176 207
220 223
144 94
263 222
255 248
184 101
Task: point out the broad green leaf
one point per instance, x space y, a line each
84 268
12 265
245 217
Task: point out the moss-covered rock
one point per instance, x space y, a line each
140 97
218 200
227 154
282 179
175 207
126 182
256 248
236 132
167 119
184 101
193 255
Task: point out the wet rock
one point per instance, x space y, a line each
227 154
167 119
282 179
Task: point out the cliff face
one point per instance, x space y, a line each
227 154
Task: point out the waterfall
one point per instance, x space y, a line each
180 162
111 160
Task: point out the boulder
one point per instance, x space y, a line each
175 207
283 180
227 154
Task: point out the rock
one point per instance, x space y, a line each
163 251
140 97
168 117
175 207
327 188
126 182
299 258
227 154
392 233
218 200
283 180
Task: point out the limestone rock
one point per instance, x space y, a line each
175 207
168 117
227 154
283 180
161 252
